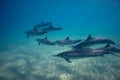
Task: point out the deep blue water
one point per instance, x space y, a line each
78 18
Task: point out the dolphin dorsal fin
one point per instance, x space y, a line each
89 37
46 38
67 38
107 45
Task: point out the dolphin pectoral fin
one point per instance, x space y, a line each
102 55
39 43
68 60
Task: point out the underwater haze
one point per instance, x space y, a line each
21 58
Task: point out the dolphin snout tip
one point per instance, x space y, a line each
59 28
55 55
37 39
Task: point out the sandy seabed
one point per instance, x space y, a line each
29 61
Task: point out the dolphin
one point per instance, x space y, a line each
90 41
67 41
35 32
110 49
81 53
51 28
43 24
45 41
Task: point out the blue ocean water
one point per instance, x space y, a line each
23 59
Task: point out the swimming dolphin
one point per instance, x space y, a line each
43 24
45 41
51 28
67 41
78 54
92 41
35 32
110 49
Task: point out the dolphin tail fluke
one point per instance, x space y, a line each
28 35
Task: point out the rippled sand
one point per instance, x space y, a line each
29 61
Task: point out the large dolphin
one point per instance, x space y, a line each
67 41
81 53
34 32
92 41
45 41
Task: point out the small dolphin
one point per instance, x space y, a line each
35 32
43 24
81 53
92 41
67 41
45 41
51 28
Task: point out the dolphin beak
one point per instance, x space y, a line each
37 39
55 55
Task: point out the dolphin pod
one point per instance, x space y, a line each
81 47
46 27
83 50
